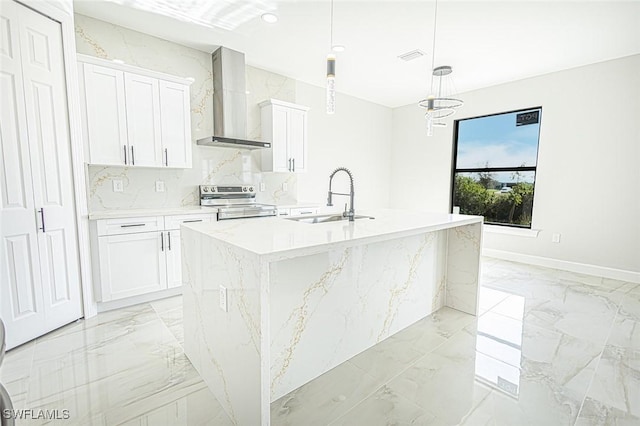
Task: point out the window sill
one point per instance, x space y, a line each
506 230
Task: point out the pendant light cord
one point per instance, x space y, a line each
433 49
331 28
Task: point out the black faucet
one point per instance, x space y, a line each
351 213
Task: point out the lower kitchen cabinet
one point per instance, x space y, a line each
137 256
131 264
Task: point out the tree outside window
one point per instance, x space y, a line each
494 166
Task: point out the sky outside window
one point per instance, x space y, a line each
496 141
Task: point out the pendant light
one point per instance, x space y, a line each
441 102
331 72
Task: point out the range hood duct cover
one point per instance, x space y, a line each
230 103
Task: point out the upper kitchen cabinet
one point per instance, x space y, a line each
284 124
134 117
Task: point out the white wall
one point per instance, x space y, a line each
588 182
358 137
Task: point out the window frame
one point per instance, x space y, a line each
454 160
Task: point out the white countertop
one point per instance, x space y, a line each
290 238
116 214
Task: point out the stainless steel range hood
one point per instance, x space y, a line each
230 103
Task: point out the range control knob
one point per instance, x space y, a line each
214 189
205 189
251 189
244 189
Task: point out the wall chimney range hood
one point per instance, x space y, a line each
230 103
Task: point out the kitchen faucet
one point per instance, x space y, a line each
351 213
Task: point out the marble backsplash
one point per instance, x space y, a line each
210 165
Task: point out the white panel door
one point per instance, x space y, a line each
40 288
131 264
106 116
281 157
176 124
297 123
143 120
20 286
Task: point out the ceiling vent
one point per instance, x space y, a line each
410 56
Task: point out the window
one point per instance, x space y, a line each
494 166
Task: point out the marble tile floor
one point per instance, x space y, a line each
548 348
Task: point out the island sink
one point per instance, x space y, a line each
326 218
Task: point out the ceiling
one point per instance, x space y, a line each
486 42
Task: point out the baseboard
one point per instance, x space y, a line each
581 268
136 300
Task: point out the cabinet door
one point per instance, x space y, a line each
131 264
106 115
143 120
297 138
281 157
176 124
174 259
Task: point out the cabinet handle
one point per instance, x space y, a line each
133 159
192 220
162 241
132 225
41 211
306 212
289 164
124 148
166 157
169 238
294 164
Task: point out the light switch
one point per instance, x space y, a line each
555 238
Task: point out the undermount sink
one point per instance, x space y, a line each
326 218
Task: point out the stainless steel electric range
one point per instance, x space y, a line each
234 202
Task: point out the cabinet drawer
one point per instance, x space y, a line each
174 222
130 225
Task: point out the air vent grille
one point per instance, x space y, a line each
410 56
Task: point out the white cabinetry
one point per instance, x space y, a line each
39 272
133 116
136 256
284 124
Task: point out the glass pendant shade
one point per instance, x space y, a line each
331 84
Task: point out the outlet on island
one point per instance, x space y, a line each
223 299
159 186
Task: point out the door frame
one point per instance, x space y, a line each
62 11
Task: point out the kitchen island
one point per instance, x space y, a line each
270 303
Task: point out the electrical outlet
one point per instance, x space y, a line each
285 186
118 186
555 238
159 186
223 299
262 186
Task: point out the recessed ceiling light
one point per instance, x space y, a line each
338 48
269 18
